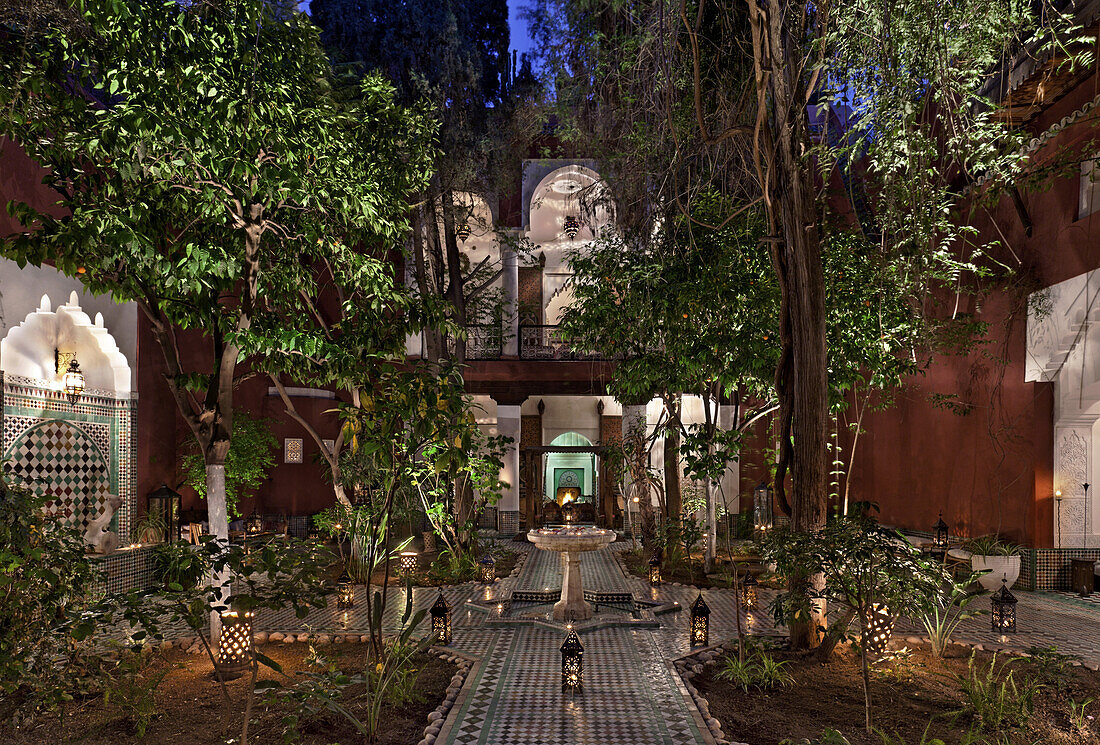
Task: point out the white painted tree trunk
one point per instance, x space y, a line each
218 517
712 527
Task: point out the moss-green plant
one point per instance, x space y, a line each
759 670
993 699
177 566
990 545
132 688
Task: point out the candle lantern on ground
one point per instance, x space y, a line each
762 517
345 591
569 512
235 647
255 523
164 503
487 568
655 571
572 662
939 537
407 563
441 620
1004 610
748 591
877 631
700 621
571 226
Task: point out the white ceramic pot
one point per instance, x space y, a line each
1000 567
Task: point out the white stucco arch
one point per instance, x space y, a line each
28 349
573 189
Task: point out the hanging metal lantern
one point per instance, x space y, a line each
235 646
748 592
441 620
571 226
762 516
255 523
73 382
463 231
487 569
1003 616
407 563
878 630
700 621
939 537
165 503
345 591
572 662
655 571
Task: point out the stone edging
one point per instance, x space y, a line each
692 665
439 715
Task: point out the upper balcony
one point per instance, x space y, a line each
536 342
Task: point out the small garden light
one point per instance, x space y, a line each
655 571
1003 616
441 620
572 662
877 632
235 648
700 622
345 591
407 563
748 591
487 569
939 537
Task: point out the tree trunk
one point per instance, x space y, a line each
218 517
455 291
674 504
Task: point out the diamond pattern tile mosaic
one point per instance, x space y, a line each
60 461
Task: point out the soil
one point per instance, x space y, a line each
191 710
909 693
637 563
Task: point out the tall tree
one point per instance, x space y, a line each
204 167
771 101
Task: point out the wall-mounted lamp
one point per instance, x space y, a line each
72 378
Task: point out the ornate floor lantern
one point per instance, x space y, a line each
655 571
939 538
255 523
700 622
762 517
463 231
235 647
487 569
1004 610
877 632
345 591
165 503
572 662
441 620
569 513
407 563
748 591
571 226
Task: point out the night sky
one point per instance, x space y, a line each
520 40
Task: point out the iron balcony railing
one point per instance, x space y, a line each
544 342
483 342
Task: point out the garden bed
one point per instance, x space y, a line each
909 693
191 711
637 564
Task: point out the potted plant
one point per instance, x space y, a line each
995 559
178 566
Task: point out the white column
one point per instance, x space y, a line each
508 425
731 479
1072 466
510 290
634 416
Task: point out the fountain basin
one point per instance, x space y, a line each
571 542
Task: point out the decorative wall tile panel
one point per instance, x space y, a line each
292 450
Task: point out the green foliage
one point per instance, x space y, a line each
148 528
177 566
759 670
946 610
251 456
899 740
356 697
994 700
131 690
452 568
1053 669
1078 714
828 737
990 545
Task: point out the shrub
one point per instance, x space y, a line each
1052 668
177 566
132 688
759 670
993 702
946 610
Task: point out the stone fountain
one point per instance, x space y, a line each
571 542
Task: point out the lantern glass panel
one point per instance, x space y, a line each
748 592
441 621
700 621
487 569
73 381
345 592
1003 614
